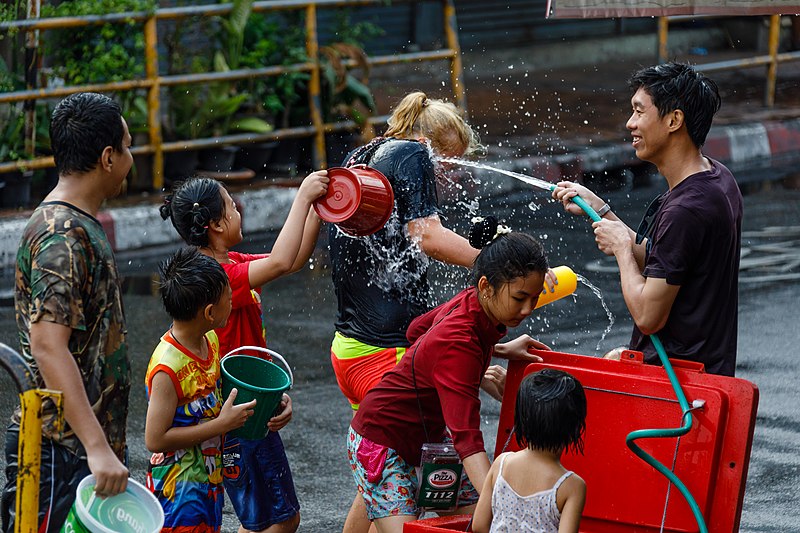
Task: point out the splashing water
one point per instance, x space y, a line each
391 269
597 292
530 180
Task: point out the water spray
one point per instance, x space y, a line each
530 180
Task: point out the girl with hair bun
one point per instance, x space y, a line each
432 395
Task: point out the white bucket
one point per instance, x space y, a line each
134 511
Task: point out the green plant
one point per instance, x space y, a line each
269 40
210 109
12 121
100 54
11 10
12 133
345 95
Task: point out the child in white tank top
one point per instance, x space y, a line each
529 490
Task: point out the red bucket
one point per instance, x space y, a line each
359 200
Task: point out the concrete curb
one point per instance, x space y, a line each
743 147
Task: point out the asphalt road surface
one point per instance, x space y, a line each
299 315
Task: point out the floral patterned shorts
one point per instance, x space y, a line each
387 483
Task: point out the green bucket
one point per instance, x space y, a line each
134 511
257 379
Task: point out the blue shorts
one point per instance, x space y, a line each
387 483
258 481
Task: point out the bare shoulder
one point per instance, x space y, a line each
495 468
574 487
574 483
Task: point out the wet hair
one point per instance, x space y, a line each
189 282
81 127
677 86
439 121
505 255
193 205
550 412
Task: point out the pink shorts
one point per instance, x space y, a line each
387 483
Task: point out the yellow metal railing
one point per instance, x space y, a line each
770 60
153 81
29 450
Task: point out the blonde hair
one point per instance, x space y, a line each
441 122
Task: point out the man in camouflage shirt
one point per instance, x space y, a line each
69 313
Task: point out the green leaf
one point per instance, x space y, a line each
239 15
253 124
361 92
220 64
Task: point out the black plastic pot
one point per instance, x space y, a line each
254 156
217 159
179 165
15 189
283 162
338 145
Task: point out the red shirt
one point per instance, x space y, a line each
451 349
245 326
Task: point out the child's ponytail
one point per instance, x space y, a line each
194 205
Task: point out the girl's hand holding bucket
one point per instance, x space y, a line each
234 416
314 186
284 416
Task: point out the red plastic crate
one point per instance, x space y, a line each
625 494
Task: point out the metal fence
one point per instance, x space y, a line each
770 60
153 82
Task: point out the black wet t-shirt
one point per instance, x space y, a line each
381 280
695 243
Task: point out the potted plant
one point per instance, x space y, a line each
100 54
274 39
207 110
345 97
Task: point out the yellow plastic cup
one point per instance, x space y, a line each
567 283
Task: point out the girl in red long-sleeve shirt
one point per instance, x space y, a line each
433 393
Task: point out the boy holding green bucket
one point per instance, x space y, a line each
186 418
256 472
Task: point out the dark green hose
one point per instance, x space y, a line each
686 418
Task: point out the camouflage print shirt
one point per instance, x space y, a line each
66 274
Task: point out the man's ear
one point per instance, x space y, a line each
106 160
676 120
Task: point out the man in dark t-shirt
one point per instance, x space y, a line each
680 270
